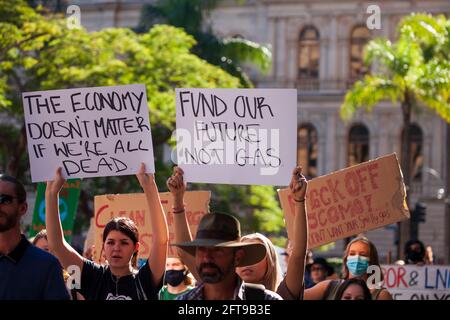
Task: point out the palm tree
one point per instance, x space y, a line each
414 72
228 53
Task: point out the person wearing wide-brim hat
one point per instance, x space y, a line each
218 250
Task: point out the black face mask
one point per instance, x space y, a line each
174 277
415 256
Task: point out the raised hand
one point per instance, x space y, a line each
145 179
54 186
298 185
176 183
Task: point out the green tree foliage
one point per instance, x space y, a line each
39 52
228 53
413 71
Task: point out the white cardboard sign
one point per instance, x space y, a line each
237 136
412 282
89 132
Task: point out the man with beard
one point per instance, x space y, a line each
26 272
218 250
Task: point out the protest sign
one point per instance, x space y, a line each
134 206
90 235
68 203
412 282
350 201
237 136
89 132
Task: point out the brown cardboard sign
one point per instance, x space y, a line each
350 201
134 206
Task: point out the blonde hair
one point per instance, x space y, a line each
40 235
373 255
272 277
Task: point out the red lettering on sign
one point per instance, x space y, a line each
361 178
334 190
401 274
351 184
326 201
322 222
368 199
312 220
97 215
313 195
372 174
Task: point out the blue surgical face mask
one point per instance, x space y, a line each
357 265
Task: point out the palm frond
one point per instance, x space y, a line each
244 51
368 92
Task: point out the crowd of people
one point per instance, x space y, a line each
217 264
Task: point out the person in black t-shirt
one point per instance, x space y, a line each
118 280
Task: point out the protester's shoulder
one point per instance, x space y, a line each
89 265
270 295
286 294
192 294
318 291
40 257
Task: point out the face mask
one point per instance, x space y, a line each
174 277
415 256
357 265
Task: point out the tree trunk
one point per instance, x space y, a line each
404 231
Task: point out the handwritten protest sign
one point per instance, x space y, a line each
350 201
134 206
68 204
89 132
411 282
237 136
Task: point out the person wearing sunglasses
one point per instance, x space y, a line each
26 272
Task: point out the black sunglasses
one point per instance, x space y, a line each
6 199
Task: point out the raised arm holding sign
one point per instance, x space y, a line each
120 247
292 285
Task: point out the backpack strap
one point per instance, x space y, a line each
253 291
331 290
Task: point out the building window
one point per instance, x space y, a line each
358 145
415 152
359 38
308 53
307 150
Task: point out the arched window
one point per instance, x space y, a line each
415 152
358 145
308 53
307 150
358 39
